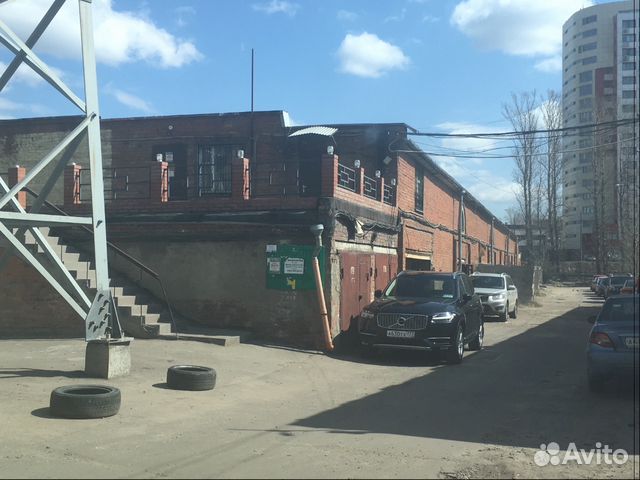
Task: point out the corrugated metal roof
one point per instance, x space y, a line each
325 131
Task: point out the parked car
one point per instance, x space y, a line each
630 286
429 311
498 294
616 282
613 341
594 281
601 285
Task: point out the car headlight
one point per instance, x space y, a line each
500 296
366 314
443 317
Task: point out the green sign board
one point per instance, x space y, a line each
290 267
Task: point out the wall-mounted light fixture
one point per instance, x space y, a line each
378 174
386 160
240 153
170 127
330 150
356 163
393 182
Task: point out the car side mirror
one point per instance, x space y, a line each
511 287
377 293
592 319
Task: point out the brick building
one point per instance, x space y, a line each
220 206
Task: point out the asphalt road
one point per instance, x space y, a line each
278 412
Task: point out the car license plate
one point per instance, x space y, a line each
400 334
632 342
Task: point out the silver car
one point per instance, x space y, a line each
498 294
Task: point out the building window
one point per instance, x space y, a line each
628 65
627 108
589 60
214 168
586 157
590 33
586 89
586 196
629 51
587 47
585 116
586 76
629 38
628 80
628 23
419 189
589 19
584 143
628 94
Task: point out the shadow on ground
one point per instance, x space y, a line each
525 391
36 372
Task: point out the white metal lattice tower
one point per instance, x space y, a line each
99 313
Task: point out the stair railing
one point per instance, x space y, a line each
142 268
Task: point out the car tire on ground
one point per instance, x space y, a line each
478 340
456 351
503 316
191 377
85 401
514 314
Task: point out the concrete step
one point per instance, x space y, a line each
218 336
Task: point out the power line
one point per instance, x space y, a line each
497 135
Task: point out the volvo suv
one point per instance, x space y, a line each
429 311
498 294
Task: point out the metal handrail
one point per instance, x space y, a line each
121 253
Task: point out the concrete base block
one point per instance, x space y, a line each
108 358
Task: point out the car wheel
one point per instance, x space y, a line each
478 340
191 377
503 316
514 314
85 401
596 384
456 351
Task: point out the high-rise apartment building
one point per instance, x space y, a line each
599 94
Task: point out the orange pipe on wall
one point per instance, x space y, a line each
326 328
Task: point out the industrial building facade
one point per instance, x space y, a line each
220 206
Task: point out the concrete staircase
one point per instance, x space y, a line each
141 314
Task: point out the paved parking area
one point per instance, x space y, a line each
280 412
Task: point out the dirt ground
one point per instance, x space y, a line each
279 412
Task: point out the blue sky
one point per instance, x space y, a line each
437 65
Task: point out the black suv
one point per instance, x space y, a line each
431 311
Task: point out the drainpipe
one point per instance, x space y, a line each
460 230
317 232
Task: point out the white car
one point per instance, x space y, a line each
498 294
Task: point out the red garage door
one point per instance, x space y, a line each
386 268
355 291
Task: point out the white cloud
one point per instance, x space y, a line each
488 180
516 27
8 108
277 6
128 99
397 18
346 16
120 36
550 65
24 74
366 55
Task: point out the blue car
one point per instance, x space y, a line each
613 341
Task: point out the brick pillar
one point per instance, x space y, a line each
16 174
328 175
159 182
360 180
72 184
240 179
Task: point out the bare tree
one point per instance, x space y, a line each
514 216
522 116
552 164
